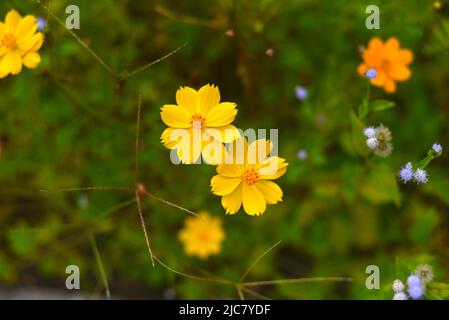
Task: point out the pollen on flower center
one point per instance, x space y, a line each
9 40
250 176
197 121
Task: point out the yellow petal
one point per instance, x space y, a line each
361 69
11 63
391 46
31 60
221 115
2 74
12 21
270 191
258 151
33 43
3 50
26 28
225 134
175 116
389 86
399 72
403 56
253 201
233 201
222 186
187 98
230 170
272 168
172 136
3 29
213 151
189 148
208 97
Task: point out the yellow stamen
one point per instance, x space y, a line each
9 40
250 176
198 121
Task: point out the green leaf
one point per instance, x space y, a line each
380 105
363 109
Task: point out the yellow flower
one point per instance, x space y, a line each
199 124
19 43
389 60
202 235
248 180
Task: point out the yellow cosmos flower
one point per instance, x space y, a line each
248 180
389 60
202 235
19 43
199 124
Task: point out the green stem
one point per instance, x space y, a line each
103 276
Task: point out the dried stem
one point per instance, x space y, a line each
258 259
293 281
144 228
152 63
99 188
136 151
193 277
169 203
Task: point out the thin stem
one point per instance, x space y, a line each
100 188
136 151
148 65
144 228
163 11
255 294
117 207
104 278
368 92
168 203
193 277
258 259
80 41
239 291
293 281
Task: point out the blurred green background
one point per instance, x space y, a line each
70 123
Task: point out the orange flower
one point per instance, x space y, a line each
389 60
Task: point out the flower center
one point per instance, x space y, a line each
9 40
202 236
250 176
198 121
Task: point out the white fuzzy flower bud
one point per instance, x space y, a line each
372 143
400 296
369 132
398 286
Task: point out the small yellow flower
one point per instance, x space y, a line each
247 180
389 60
19 43
202 235
199 122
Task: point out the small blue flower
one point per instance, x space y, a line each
416 292
371 73
413 281
41 23
437 148
302 154
301 93
420 176
406 173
